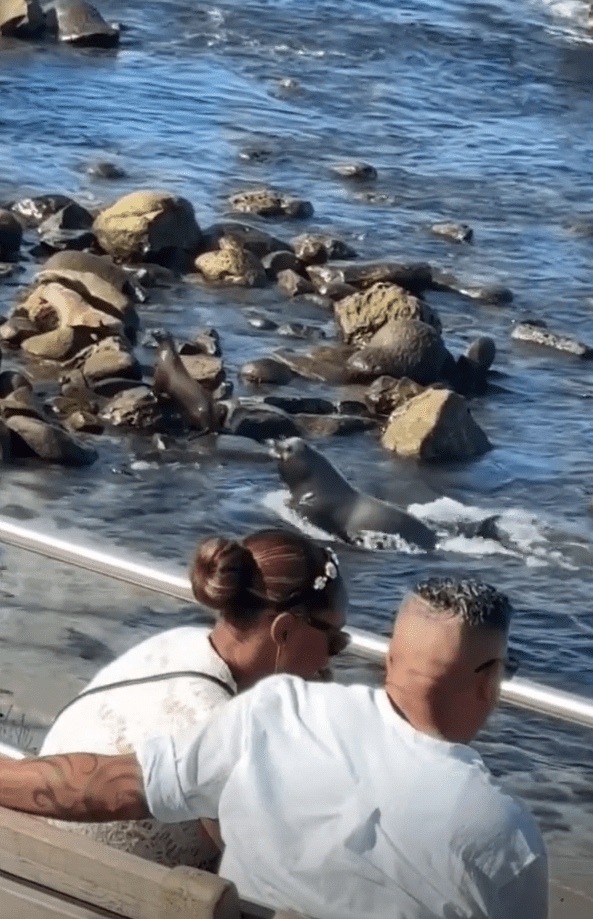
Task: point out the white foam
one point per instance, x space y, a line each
278 501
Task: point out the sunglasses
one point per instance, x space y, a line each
511 665
337 639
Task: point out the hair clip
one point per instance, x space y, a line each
330 572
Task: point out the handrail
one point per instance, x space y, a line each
173 582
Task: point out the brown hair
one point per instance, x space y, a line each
270 569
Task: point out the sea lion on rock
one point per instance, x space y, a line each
323 497
172 379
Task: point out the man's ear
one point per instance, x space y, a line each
281 628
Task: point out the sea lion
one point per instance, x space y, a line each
323 497
172 379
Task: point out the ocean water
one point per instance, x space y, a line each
478 113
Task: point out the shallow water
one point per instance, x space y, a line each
477 113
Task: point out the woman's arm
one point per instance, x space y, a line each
75 786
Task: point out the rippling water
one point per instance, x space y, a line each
478 113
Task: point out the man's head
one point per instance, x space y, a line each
447 655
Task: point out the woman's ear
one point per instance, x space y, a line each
281 628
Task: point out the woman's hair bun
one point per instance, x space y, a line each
221 573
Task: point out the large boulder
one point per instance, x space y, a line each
33 436
148 226
435 425
401 348
362 314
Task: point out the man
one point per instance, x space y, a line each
342 801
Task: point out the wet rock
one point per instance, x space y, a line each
299 330
70 217
36 210
52 305
21 18
387 393
80 23
269 203
206 369
33 436
11 380
248 418
21 401
251 238
435 425
362 274
540 335
16 329
296 405
5 444
83 423
266 370
205 342
355 170
316 248
294 284
134 408
362 314
231 264
280 260
458 232
489 294
112 386
336 290
334 425
326 362
57 345
151 226
261 323
110 358
11 234
71 263
401 348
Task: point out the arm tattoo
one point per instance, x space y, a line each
75 786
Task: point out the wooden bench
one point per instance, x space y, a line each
49 873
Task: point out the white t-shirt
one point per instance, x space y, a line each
332 804
118 720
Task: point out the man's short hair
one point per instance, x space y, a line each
476 603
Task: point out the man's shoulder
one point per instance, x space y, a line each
297 693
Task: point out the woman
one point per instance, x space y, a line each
280 603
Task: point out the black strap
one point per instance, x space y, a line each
154 678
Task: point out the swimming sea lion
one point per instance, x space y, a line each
324 498
172 379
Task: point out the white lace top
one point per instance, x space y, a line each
118 720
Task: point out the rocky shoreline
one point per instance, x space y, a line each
74 329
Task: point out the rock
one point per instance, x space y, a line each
248 418
315 248
251 238
387 393
21 401
83 423
11 380
47 441
58 345
355 170
296 405
401 348
11 234
208 370
268 203
362 274
36 210
149 226
459 232
110 358
205 342
52 305
266 370
80 23
300 330
21 18
327 363
16 329
261 323
435 425
294 284
5 444
134 408
231 264
70 217
103 169
362 314
334 425
541 335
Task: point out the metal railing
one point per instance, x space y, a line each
174 582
